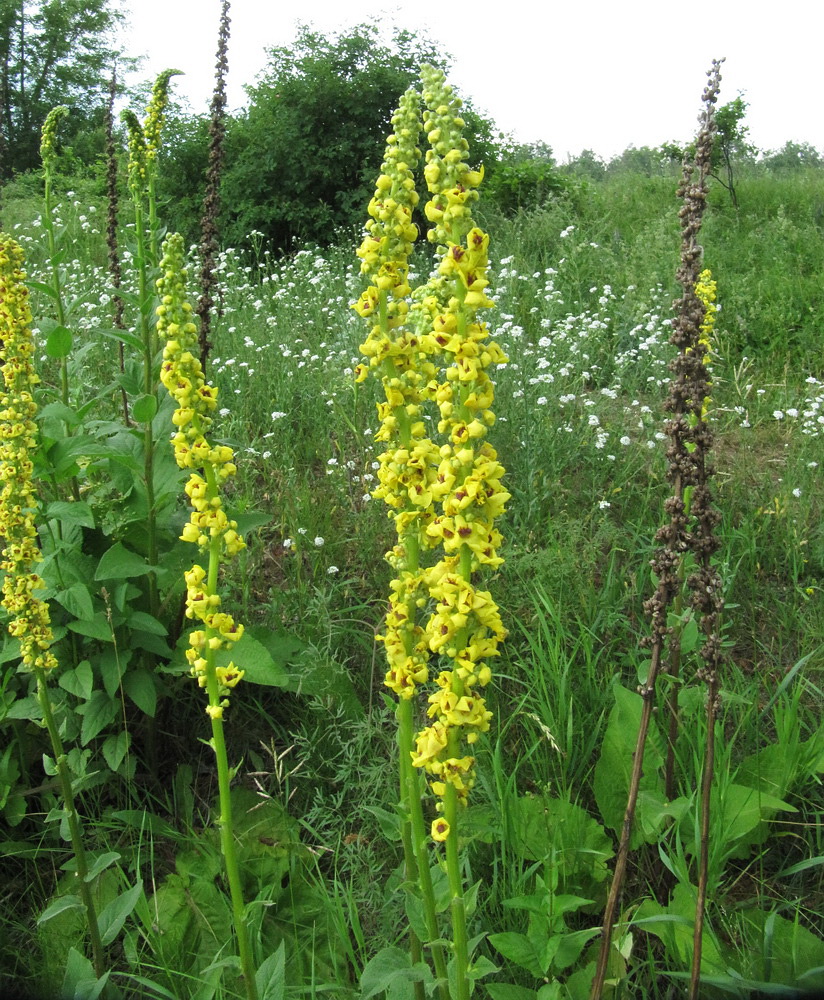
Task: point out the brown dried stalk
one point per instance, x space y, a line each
687 468
111 230
211 202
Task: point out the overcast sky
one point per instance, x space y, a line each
596 74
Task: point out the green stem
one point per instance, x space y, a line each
57 288
73 820
218 743
149 384
457 905
415 830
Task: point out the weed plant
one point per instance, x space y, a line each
582 292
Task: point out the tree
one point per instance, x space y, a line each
51 52
525 176
730 144
302 160
793 156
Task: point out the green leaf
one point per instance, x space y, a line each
42 287
140 687
80 982
112 667
389 822
250 520
145 408
77 601
97 713
614 767
519 949
59 342
255 660
14 811
79 681
71 512
571 946
391 972
140 621
270 978
25 708
111 918
97 628
60 906
140 819
123 337
119 563
115 749
100 864
506 991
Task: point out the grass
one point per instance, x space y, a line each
583 293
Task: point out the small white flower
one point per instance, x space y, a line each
796 492
288 543
332 570
278 415
603 504
778 414
625 441
318 541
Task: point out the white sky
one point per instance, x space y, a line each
597 74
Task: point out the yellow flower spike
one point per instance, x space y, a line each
48 138
29 615
156 112
209 527
137 150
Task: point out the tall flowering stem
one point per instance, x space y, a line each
144 146
112 200
407 471
48 157
689 438
705 289
29 620
464 628
216 537
211 202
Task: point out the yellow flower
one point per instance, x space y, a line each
29 614
208 527
440 829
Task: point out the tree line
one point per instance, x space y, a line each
301 157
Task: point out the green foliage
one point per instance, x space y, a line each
524 177
301 161
57 52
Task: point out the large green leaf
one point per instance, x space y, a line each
141 687
119 563
97 712
614 767
71 512
111 918
270 978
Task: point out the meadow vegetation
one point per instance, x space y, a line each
321 899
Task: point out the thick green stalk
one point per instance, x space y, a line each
56 284
415 830
457 906
218 742
73 820
149 385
